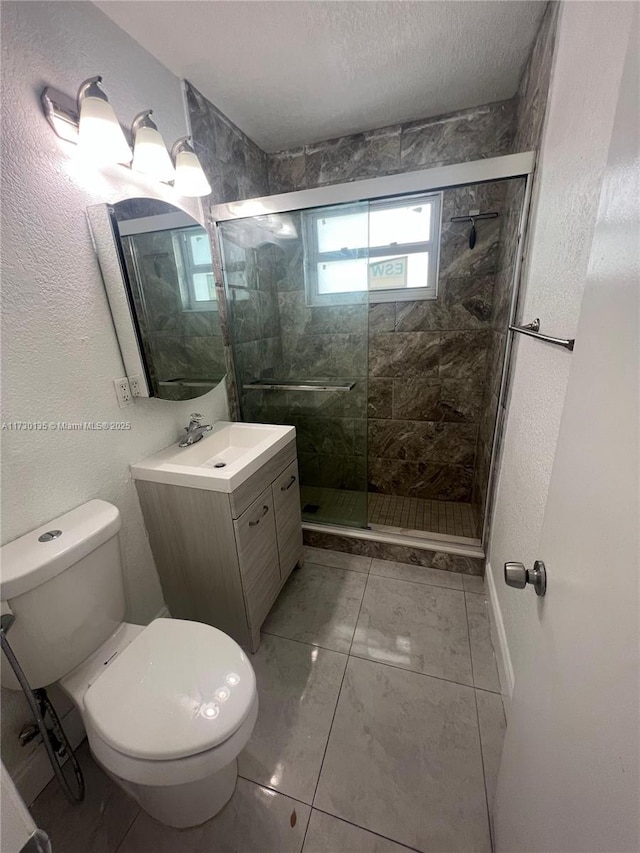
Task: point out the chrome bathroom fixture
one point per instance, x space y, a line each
54 739
150 155
284 385
517 576
194 431
191 180
473 218
90 122
533 331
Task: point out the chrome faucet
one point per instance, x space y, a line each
194 431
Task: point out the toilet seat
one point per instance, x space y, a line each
178 690
177 771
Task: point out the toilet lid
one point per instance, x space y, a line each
178 689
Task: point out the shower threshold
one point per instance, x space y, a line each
408 538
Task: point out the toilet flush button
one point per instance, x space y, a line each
49 535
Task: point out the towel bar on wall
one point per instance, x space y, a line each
274 385
533 331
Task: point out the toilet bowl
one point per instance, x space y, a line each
167 708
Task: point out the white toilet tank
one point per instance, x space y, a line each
66 592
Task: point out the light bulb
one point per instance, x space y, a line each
99 135
150 155
191 180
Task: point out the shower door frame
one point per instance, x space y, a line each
520 165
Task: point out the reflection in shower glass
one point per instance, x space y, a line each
280 339
390 299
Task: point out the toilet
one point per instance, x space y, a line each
167 707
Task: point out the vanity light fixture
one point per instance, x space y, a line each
99 131
191 180
150 155
88 120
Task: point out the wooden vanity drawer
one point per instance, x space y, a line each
286 501
243 495
258 556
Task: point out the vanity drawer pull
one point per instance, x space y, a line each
288 486
265 510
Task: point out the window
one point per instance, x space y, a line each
386 248
193 257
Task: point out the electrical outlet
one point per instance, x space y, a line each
123 392
134 384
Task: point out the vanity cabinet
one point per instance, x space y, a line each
223 558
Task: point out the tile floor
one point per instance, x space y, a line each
380 727
340 506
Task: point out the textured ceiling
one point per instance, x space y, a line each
289 73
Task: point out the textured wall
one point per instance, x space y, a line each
584 83
59 349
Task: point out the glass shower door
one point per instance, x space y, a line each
300 341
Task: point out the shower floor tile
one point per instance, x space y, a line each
351 508
334 506
449 517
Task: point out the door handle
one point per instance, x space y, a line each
518 576
288 486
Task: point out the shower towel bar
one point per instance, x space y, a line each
269 385
533 330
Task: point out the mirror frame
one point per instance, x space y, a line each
103 228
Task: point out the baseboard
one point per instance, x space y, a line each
499 638
36 773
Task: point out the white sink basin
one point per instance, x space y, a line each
221 461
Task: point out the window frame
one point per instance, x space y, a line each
312 256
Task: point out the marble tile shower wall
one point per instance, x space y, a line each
236 169
428 363
427 359
531 101
235 166
472 134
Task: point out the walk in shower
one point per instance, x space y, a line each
379 328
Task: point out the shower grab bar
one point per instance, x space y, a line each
269 385
533 331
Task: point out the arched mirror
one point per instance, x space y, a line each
156 262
